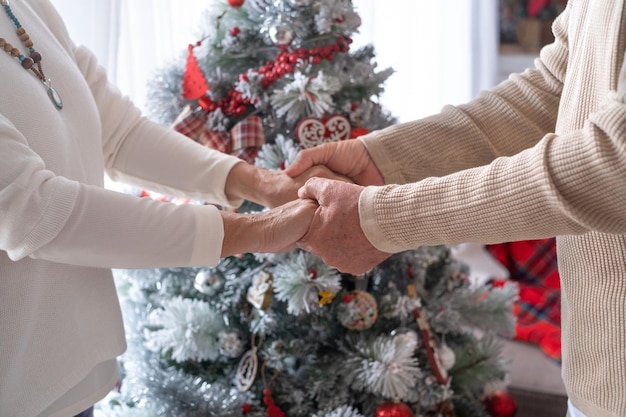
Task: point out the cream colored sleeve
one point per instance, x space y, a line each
114 230
490 171
140 152
501 122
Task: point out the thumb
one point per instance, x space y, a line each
305 159
299 165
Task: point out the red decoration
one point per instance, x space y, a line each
500 404
358 131
194 84
244 140
272 409
234 105
246 408
440 372
536 6
394 409
235 3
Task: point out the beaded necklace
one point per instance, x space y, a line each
31 62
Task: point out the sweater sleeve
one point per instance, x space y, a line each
54 218
570 183
504 121
140 152
52 206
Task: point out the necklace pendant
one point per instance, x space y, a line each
54 95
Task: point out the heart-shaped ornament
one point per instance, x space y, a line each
311 132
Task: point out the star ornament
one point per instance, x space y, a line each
326 297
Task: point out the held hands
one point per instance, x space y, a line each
270 188
324 221
335 234
348 158
274 230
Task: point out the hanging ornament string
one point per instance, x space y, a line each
31 62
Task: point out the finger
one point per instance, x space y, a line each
312 188
325 172
299 165
320 155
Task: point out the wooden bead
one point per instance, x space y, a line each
20 31
15 52
8 47
2 42
27 63
36 57
28 44
24 37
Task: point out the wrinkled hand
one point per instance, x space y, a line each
335 234
270 231
348 158
270 188
279 188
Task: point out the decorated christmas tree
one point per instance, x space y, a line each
286 335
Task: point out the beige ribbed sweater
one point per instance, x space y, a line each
492 171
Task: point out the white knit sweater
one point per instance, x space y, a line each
492 171
61 232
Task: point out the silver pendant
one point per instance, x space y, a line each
54 95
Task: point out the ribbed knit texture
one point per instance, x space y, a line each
61 232
543 154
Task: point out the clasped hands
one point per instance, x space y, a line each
324 219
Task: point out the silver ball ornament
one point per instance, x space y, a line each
281 33
208 284
300 3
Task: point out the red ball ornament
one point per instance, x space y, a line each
394 409
235 3
500 404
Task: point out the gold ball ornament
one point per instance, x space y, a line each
358 310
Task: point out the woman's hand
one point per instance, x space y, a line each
271 231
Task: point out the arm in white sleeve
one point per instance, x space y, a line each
140 152
51 217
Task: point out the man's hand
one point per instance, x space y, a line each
335 234
271 231
270 188
348 158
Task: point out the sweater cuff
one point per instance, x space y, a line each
369 225
207 246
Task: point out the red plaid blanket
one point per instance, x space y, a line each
532 265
